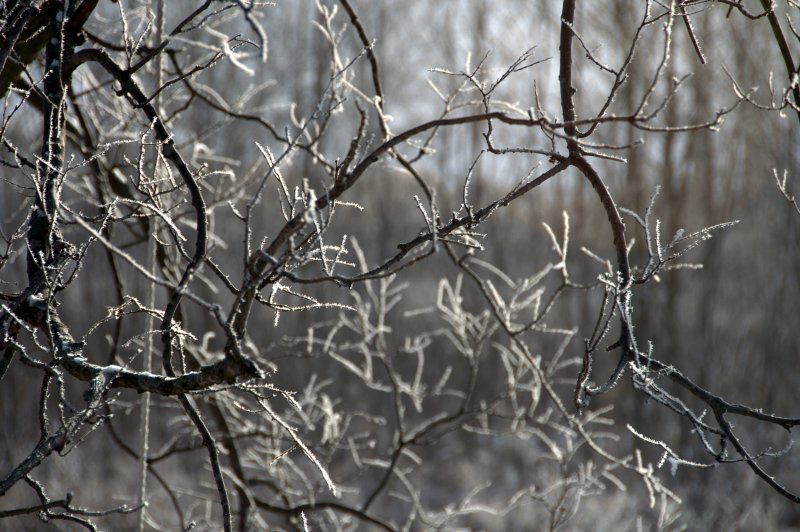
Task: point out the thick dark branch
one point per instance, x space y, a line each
225 371
786 52
27 38
565 73
583 393
335 506
43 449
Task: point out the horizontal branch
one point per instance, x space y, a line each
226 371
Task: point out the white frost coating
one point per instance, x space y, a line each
35 298
110 371
149 375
